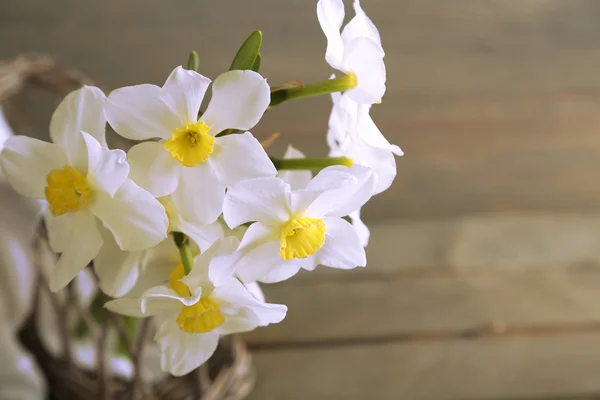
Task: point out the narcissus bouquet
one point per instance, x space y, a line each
182 227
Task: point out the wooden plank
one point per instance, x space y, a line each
346 310
555 367
490 241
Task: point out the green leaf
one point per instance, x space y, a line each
257 61
248 52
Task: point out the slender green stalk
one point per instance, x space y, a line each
193 61
329 86
185 253
314 164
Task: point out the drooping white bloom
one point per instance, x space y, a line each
118 270
356 50
352 133
82 181
301 228
300 179
20 377
193 311
189 162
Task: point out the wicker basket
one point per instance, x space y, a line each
229 374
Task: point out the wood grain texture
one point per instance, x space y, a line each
329 311
563 367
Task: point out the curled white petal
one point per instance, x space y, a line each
107 169
136 219
239 100
80 110
26 163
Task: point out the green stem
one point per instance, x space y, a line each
310 163
329 86
193 61
185 253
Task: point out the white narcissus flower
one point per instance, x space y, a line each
300 179
189 162
83 182
193 311
356 50
353 134
118 271
300 228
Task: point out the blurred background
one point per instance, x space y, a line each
483 279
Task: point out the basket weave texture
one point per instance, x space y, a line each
228 375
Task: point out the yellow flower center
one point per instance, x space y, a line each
67 191
191 145
301 237
203 316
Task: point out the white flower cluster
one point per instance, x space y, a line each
235 215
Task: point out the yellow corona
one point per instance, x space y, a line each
301 237
201 317
67 191
191 145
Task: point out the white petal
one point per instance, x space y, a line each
59 230
255 290
239 157
261 199
26 163
341 200
80 110
20 375
203 235
284 271
364 57
181 352
107 169
84 245
153 168
296 179
129 306
199 195
215 265
382 162
117 270
161 299
331 15
361 229
327 192
136 219
183 92
234 295
342 247
239 100
18 273
138 113
156 268
258 253
368 131
360 26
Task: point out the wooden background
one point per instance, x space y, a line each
489 231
